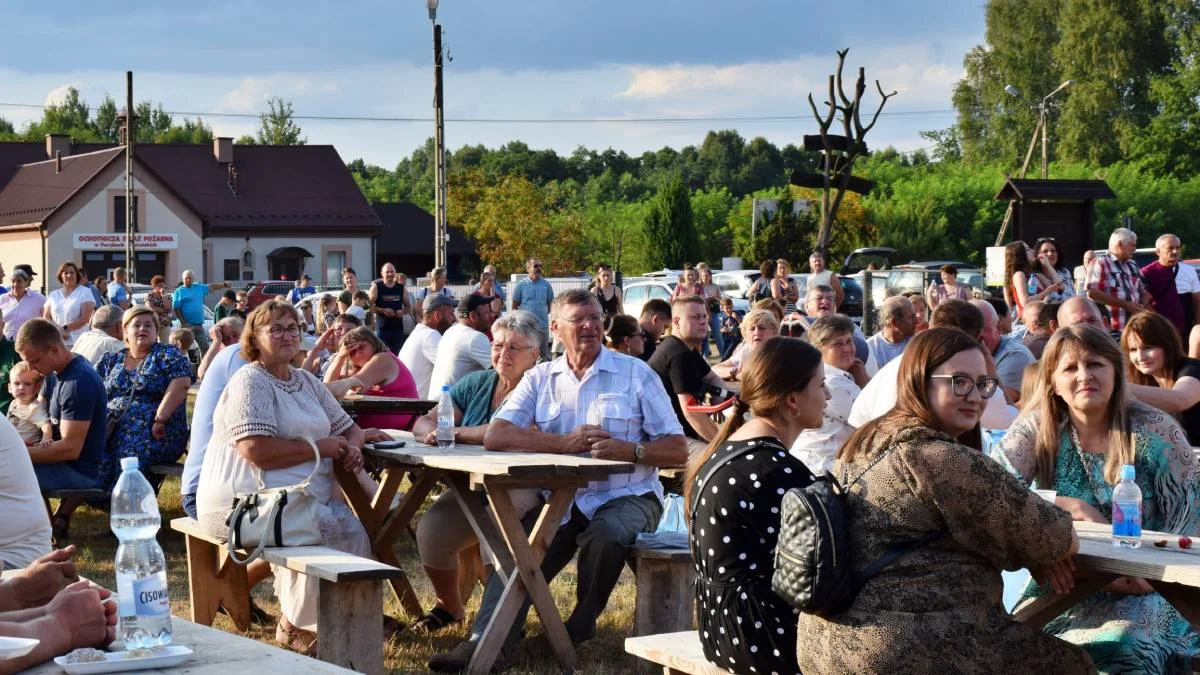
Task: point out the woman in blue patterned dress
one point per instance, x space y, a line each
147 384
1093 429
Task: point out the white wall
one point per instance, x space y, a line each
358 254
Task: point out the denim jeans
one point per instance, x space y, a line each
63 476
714 329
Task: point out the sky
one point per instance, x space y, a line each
691 65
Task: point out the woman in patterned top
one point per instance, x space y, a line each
917 471
1074 441
744 626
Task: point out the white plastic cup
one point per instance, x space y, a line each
1048 495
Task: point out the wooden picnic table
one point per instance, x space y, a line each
217 652
1172 571
516 556
356 404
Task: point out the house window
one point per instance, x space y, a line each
334 262
233 269
119 213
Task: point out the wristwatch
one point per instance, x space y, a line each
639 452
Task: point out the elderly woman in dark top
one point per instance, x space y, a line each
744 626
917 472
443 531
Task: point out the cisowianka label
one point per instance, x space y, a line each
150 596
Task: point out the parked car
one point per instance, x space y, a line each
262 291
860 258
915 278
637 294
736 283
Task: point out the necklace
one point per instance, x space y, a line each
1103 496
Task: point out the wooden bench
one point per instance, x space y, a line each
665 594
675 652
350 614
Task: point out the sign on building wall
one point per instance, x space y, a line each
115 241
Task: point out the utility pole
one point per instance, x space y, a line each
439 145
130 206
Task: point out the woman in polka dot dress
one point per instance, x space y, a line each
744 626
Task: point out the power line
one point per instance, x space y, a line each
520 120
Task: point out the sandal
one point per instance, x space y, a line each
434 620
296 639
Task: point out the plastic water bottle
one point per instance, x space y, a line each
1127 511
445 417
1032 286
143 604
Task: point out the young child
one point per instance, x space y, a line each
361 308
26 412
730 327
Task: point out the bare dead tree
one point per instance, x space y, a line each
840 153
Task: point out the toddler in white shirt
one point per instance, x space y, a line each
26 412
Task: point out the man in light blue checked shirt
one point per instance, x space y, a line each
607 515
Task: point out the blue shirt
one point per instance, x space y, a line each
534 297
95 293
190 302
117 293
299 293
223 366
79 396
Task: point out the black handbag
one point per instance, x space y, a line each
814 557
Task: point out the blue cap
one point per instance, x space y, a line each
445 387
1128 472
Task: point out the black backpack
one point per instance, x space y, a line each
814 560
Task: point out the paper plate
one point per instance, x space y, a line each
119 662
13 647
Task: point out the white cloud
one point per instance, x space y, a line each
58 94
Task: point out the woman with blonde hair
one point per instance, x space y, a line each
916 478
744 626
1075 440
758 326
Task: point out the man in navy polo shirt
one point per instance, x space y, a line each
79 409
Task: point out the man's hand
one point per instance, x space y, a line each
46 576
214 335
83 615
613 449
580 440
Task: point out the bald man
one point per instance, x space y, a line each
1010 355
1079 310
1160 277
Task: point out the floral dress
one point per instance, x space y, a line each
133 397
1122 633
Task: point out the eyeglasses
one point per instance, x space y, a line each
594 319
278 332
502 347
962 385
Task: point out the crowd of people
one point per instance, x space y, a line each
937 425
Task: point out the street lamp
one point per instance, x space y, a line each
1042 124
439 144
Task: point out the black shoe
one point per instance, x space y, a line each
456 660
258 615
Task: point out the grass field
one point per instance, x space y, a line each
406 653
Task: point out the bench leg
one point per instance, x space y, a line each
215 580
350 624
665 597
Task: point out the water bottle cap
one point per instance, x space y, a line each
445 387
1128 472
129 463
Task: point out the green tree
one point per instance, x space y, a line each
710 209
669 226
7 132
278 126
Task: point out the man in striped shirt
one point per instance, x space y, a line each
1115 280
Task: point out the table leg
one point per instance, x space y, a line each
483 524
1185 599
1039 612
350 625
527 556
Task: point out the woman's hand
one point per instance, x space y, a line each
332 447
1058 575
325 339
1129 586
371 434
1080 510
352 458
158 430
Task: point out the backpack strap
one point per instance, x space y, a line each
722 460
897 550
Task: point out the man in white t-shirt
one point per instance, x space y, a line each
25 529
1187 284
104 337
464 348
420 349
879 395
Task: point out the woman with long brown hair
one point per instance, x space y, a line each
745 627
1029 276
917 474
1159 371
1074 440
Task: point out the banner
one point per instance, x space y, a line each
115 241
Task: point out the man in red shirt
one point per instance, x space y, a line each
1159 277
